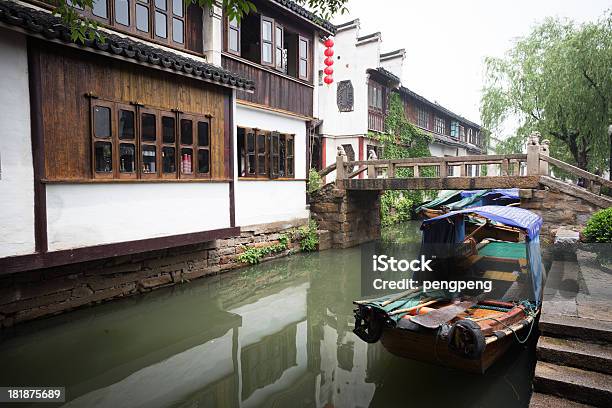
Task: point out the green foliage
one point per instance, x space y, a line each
254 255
401 140
556 80
599 226
83 29
308 237
314 181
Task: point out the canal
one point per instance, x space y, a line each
276 334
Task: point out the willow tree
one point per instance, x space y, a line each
557 80
83 28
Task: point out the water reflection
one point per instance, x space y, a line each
274 335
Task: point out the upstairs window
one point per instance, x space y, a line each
233 36
304 50
439 125
462 133
454 129
162 20
278 47
267 41
375 96
265 154
422 118
471 136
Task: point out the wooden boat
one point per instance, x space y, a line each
458 200
470 330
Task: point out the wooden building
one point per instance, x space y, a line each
178 128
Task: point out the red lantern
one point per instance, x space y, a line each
328 52
328 70
328 79
329 61
329 43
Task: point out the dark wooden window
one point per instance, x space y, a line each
439 125
102 138
163 20
130 142
422 117
454 129
267 41
126 133
264 154
462 133
303 58
376 107
233 36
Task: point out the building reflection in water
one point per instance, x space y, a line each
278 334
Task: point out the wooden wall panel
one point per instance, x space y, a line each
271 89
68 74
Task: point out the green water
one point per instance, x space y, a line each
275 335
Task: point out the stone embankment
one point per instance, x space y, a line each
575 347
30 295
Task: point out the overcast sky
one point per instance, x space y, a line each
446 41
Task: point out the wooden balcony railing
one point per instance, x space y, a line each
376 121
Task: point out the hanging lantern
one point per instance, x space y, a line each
328 70
329 43
329 61
328 52
328 79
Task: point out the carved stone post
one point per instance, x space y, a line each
533 154
340 167
544 151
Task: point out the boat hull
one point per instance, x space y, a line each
425 346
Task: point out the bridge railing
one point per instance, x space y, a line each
536 162
509 165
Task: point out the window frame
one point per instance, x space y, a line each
422 114
439 125
238 31
181 146
268 155
269 20
208 120
135 141
149 111
305 58
278 47
110 105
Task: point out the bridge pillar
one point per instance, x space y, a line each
533 154
352 217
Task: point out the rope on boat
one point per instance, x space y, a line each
530 310
495 308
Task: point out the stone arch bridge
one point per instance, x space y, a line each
349 206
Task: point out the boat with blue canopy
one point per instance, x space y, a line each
458 200
471 328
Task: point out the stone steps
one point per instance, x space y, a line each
587 387
574 327
580 354
550 401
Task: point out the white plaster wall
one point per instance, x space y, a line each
17 175
350 63
265 201
394 65
80 215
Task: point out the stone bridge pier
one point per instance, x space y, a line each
352 217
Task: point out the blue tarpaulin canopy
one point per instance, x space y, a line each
511 216
511 193
454 232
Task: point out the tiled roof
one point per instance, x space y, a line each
296 8
388 75
50 27
441 108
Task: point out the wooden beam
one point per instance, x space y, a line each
22 263
38 149
448 183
